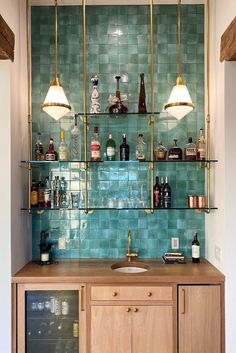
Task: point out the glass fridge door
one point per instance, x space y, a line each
52 321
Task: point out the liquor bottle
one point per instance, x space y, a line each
195 249
140 148
175 152
75 147
117 107
124 149
166 194
157 193
40 192
190 150
57 187
142 96
39 149
51 154
95 96
34 194
160 152
62 148
64 201
110 149
95 146
162 193
47 194
201 146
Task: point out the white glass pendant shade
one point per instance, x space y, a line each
56 103
180 102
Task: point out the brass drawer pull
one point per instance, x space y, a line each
149 294
135 310
127 310
114 294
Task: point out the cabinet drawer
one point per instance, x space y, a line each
131 293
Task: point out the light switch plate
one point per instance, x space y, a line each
218 253
175 243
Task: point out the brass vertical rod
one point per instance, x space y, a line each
208 118
28 61
85 110
56 39
179 39
152 118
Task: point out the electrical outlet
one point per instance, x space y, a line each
175 243
218 253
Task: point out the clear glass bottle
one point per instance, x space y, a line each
51 154
160 152
157 193
175 152
64 200
39 149
95 146
62 148
140 148
124 149
190 150
201 146
47 193
75 146
110 149
95 97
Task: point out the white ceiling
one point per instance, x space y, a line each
113 2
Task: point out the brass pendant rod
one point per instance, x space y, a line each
85 109
152 118
56 41
208 118
28 61
179 39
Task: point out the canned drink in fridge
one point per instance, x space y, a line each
65 307
57 307
76 328
52 305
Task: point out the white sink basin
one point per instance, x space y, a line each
130 267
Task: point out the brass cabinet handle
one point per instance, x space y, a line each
182 298
114 294
135 310
149 294
127 310
81 292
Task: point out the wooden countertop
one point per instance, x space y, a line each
99 271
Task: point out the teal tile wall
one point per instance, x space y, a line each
118 42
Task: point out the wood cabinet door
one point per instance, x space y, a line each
152 329
199 319
110 329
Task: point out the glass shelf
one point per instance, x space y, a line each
41 210
114 162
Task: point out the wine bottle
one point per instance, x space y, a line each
157 193
142 96
124 150
195 249
166 194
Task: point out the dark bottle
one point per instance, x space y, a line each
195 249
162 193
51 154
39 154
175 152
34 194
142 96
166 194
124 149
157 193
190 150
40 192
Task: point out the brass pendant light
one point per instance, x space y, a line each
179 103
56 103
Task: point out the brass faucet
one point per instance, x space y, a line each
130 254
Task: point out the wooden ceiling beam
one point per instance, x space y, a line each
228 43
7 41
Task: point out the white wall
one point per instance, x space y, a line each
15 225
221 225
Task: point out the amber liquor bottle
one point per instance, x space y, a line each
142 96
175 152
51 154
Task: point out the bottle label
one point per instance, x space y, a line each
64 307
195 251
190 151
34 198
63 154
111 151
50 157
45 257
95 150
201 153
156 198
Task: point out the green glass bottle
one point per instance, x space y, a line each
110 149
